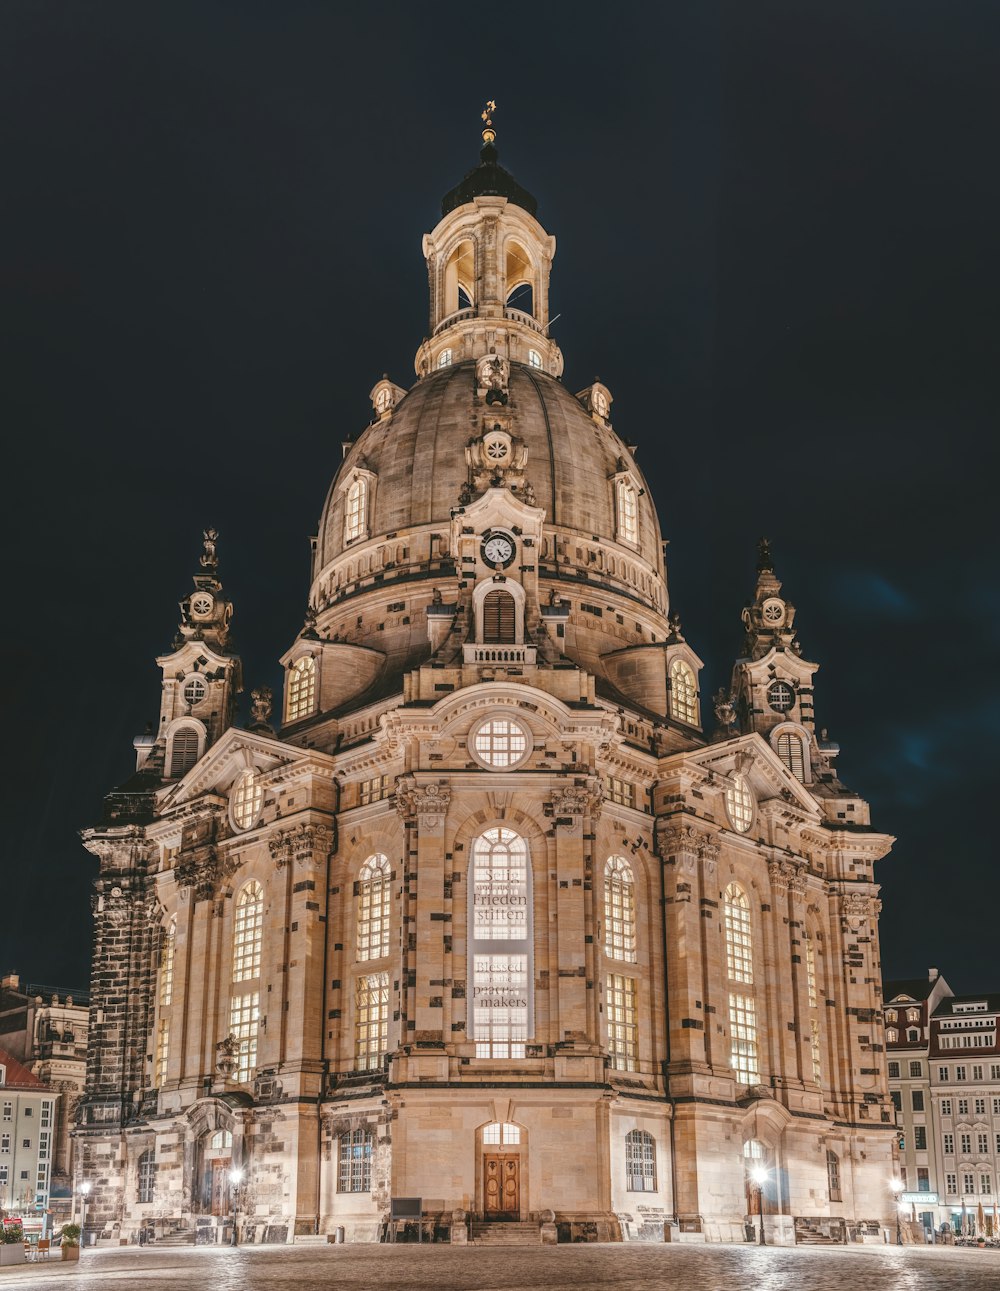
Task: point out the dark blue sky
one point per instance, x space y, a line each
776 230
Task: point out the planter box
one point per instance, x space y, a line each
70 1252
11 1254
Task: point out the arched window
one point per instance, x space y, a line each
504 1132
683 692
145 1176
913 1035
813 994
789 748
167 963
619 909
739 803
628 512
499 619
739 938
183 751
221 1141
246 800
444 359
833 1175
356 510
247 932
756 1158
500 944
534 359
301 688
891 1035
373 908
640 1161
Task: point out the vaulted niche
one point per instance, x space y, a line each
519 279
460 278
500 947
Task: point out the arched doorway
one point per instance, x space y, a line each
215 1160
503 1156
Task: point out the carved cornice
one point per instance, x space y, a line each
857 909
578 800
306 846
787 875
427 804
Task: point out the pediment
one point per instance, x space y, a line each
238 751
769 778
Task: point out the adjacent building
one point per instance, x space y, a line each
499 917
27 1137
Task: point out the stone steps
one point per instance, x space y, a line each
505 1234
179 1237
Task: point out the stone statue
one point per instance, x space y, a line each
209 558
765 562
725 709
261 703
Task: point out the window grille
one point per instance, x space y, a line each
371 1020
739 803
640 1161
628 513
739 941
248 931
374 897
500 742
375 789
683 693
623 1030
162 1051
301 688
504 1132
619 791
247 800
354 1165
619 909
244 1019
743 1039
195 691
781 696
833 1176
167 963
146 1175
355 510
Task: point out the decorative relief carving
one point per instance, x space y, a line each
857 908
307 846
787 875
425 803
226 1054
577 800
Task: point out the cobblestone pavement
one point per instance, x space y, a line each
564 1268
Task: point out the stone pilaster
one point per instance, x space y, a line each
423 807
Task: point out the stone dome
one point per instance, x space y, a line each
418 458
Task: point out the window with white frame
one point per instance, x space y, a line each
640 1161
503 1132
248 932
374 896
968 1184
445 359
949 1144
244 1021
500 742
246 800
356 510
628 512
965 1142
500 944
739 803
951 1184
623 1023
619 909
354 1160
789 748
534 359
683 692
301 688
371 1020
743 1039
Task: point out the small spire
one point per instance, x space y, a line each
489 134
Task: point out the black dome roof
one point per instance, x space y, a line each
489 179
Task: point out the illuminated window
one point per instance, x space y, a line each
628 512
145 1177
913 1015
371 1020
790 751
183 751
619 791
354 1163
301 688
244 1019
444 359
247 932
814 1040
373 790
640 1161
167 963
739 940
743 1039
683 692
500 1005
623 1030
500 946
195 691
781 696
162 1051
373 908
500 886
811 974
619 909
502 1132
891 1035
355 512
739 803
534 359
814 1050
500 742
247 799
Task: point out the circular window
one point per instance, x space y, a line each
246 801
195 691
781 696
201 605
773 612
739 803
497 448
500 743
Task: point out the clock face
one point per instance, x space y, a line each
382 400
201 605
498 549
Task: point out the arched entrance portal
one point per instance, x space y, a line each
215 1152
503 1157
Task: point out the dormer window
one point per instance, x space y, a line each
891 1035
301 688
627 512
183 751
683 693
534 359
357 506
445 359
789 749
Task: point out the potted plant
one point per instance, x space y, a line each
71 1242
11 1242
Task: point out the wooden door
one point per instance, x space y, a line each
501 1187
220 1188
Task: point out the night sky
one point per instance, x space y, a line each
777 230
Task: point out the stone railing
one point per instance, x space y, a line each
500 654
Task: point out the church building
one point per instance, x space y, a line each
493 913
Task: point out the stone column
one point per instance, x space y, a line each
678 845
570 806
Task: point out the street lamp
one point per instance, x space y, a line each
758 1175
235 1179
85 1188
896 1185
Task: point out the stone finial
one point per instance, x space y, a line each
309 623
261 703
724 704
209 558
765 561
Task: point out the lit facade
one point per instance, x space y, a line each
494 919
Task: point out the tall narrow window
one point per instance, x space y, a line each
371 1020
623 1029
356 509
790 751
833 1175
354 1164
814 1040
167 964
246 800
373 908
500 944
247 932
628 512
145 1176
301 688
743 1039
740 803
739 940
619 909
244 1019
444 359
162 1051
183 751
683 693
640 1161
499 619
